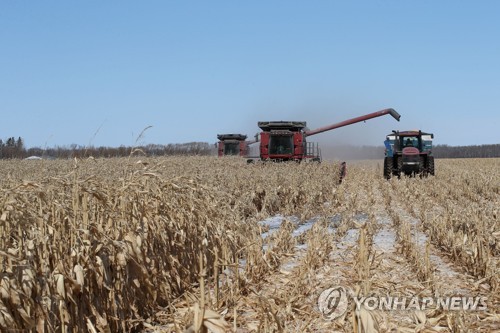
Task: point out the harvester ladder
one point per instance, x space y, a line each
312 150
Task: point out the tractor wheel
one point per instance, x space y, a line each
399 166
430 165
388 167
422 170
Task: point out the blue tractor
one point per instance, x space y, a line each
409 153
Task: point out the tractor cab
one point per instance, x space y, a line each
397 141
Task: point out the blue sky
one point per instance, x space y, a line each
192 69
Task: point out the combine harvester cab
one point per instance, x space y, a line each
287 140
408 152
232 145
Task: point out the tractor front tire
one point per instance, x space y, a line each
388 165
430 165
422 170
399 166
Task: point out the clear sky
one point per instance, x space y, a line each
99 72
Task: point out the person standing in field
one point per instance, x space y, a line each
343 172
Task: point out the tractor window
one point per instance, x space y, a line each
281 145
231 148
409 141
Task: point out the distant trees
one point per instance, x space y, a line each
14 148
73 150
477 151
440 151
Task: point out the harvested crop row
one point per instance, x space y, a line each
106 243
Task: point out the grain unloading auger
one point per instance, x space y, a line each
287 140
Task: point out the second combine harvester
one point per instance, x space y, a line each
287 140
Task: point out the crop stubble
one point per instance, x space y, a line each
174 243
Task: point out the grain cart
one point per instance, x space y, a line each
408 152
287 140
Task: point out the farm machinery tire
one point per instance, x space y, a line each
388 165
430 165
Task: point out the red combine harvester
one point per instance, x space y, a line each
287 140
232 144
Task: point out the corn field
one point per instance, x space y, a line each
200 244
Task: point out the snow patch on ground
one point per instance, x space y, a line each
384 240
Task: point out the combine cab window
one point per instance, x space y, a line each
281 145
231 148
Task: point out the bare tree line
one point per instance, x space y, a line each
439 151
14 148
78 151
476 151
